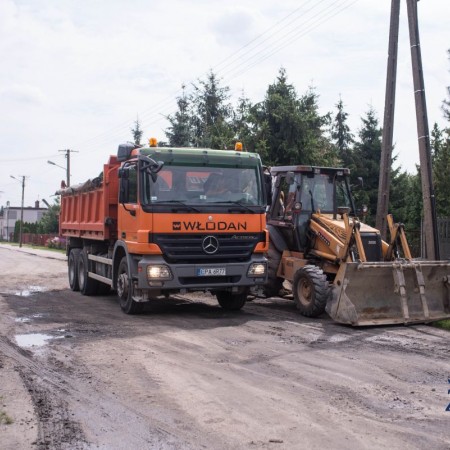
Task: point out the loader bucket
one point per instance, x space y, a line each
382 293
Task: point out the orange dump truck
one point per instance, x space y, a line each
164 220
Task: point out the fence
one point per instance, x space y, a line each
444 237
37 239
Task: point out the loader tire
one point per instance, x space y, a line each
274 283
125 290
72 265
311 291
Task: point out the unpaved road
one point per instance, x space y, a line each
77 373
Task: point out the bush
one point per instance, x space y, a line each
56 242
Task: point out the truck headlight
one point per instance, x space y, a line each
256 270
158 272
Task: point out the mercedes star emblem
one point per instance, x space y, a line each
210 245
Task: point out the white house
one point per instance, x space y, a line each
11 214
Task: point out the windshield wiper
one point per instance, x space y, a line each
239 204
185 205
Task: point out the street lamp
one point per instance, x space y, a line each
21 208
64 168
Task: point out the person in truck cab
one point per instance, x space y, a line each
217 184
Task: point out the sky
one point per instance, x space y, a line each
77 74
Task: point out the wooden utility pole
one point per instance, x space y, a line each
423 134
429 201
67 155
388 123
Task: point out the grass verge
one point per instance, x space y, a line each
444 324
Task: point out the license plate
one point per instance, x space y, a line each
211 272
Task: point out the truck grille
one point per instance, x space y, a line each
187 248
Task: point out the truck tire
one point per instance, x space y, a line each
231 302
88 286
311 291
125 290
274 283
72 264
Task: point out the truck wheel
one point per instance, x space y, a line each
274 283
125 290
88 286
311 291
74 256
230 301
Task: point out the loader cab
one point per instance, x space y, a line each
300 191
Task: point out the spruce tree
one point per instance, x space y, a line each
137 132
341 135
179 133
367 152
211 114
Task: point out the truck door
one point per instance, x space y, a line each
128 199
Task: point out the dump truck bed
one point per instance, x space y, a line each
89 210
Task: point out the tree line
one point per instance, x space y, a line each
287 128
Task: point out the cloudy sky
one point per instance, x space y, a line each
75 74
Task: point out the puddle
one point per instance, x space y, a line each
28 319
32 340
30 290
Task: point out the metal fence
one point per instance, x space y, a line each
444 237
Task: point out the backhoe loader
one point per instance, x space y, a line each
338 264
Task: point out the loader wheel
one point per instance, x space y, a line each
274 283
311 291
125 290
88 286
74 255
231 302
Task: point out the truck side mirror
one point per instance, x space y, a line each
124 188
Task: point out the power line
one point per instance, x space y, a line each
287 38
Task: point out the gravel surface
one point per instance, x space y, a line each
77 373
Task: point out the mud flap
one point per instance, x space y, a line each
382 293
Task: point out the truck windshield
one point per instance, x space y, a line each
203 185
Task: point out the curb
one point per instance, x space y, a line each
37 252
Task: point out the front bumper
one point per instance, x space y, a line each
186 276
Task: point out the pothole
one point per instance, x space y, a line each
34 339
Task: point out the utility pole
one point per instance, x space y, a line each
21 208
423 135
67 156
388 123
428 197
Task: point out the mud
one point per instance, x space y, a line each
188 375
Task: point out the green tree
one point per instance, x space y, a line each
137 133
249 128
367 153
49 222
211 114
290 125
179 132
341 135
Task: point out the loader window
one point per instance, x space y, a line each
342 194
317 193
282 208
